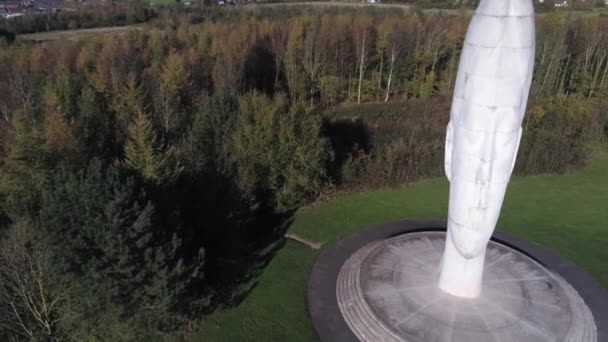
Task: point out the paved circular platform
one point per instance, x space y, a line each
387 291
380 284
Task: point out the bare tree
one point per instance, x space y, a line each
28 301
313 57
4 113
22 90
363 29
278 43
395 46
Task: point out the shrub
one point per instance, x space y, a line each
556 136
387 144
397 143
8 36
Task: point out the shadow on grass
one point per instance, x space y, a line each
235 267
240 236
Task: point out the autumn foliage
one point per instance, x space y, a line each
151 175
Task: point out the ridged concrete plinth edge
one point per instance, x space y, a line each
330 323
388 291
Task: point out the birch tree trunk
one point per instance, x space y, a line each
361 69
604 76
596 74
380 77
563 78
390 74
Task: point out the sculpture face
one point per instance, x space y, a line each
478 182
484 132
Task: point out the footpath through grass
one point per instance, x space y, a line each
565 213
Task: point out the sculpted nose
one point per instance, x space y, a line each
483 173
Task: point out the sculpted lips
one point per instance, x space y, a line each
470 239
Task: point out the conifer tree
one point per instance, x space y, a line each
128 102
23 174
105 235
94 126
173 97
56 129
144 155
211 130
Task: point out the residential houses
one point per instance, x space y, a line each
15 8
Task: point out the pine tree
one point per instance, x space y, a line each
104 233
23 174
211 131
57 133
128 102
94 126
143 154
172 104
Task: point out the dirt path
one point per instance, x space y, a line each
314 245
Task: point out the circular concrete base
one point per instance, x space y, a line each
380 284
387 291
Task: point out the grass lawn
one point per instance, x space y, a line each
77 34
567 214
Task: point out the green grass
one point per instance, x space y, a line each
565 213
77 34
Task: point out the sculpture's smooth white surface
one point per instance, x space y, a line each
483 135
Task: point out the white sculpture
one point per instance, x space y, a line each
483 135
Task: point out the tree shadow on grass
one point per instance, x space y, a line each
239 240
235 267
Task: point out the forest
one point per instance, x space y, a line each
147 178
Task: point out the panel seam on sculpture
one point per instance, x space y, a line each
470 74
503 16
528 47
462 125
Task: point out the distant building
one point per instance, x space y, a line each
14 10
